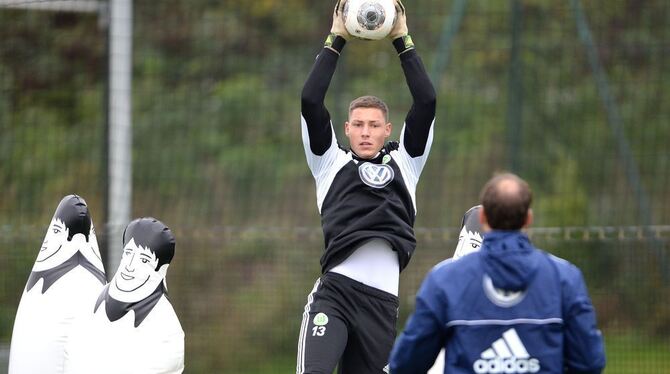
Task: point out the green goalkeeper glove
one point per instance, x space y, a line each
400 27
338 22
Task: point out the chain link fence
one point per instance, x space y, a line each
570 95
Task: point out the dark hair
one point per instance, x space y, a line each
471 220
370 102
506 199
153 234
73 211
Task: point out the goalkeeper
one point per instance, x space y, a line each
366 198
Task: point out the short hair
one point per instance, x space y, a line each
369 101
153 234
506 199
73 211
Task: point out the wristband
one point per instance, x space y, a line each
334 42
403 44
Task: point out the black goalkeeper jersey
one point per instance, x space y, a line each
361 199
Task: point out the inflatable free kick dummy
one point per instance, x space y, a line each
134 329
470 237
67 277
469 241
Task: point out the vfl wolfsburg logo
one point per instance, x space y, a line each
321 319
375 175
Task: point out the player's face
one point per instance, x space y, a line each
54 240
468 242
367 131
137 265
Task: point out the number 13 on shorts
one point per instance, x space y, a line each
318 330
320 321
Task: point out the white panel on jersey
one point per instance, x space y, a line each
324 167
411 167
374 264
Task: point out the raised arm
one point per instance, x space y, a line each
421 115
313 109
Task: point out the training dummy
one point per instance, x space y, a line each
469 240
67 277
133 328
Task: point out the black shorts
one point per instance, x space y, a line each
346 324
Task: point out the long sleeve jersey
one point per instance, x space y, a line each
362 199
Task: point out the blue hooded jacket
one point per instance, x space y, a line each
509 308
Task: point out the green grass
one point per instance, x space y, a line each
626 354
633 354
279 365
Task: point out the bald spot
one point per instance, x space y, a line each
506 199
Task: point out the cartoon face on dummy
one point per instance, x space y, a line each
138 264
468 241
470 237
148 250
68 232
55 238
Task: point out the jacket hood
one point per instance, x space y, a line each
509 259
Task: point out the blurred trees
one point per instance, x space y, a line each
217 150
219 82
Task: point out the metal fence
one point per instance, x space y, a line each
570 95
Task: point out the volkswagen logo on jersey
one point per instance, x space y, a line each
375 175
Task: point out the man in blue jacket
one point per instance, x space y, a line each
508 308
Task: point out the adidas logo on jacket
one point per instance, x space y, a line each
507 355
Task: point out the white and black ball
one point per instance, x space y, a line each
369 19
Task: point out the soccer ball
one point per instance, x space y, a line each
369 19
